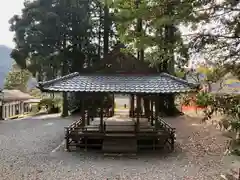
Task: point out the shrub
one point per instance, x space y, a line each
203 99
186 100
52 105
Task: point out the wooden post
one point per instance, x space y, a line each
83 113
156 111
138 111
67 139
132 105
151 102
113 105
88 117
93 111
172 140
104 127
101 117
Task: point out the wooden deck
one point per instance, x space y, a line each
120 134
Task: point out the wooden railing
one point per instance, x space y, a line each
75 124
167 128
76 131
161 123
70 129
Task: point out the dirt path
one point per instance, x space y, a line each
202 144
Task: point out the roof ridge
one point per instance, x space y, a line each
45 83
180 79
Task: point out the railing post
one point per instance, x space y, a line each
67 139
172 139
104 127
135 127
156 122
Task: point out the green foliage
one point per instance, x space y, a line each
55 37
235 123
180 74
152 25
17 79
46 101
220 42
35 92
203 99
234 68
52 105
227 105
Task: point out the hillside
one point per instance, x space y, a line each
5 63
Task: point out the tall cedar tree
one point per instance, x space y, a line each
54 38
152 27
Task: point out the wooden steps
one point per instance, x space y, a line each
119 145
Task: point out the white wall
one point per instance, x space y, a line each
9 108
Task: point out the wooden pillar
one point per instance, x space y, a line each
67 139
152 112
83 113
113 105
138 111
101 117
131 106
90 112
65 105
156 110
88 116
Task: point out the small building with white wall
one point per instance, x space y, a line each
14 103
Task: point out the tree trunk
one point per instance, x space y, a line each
99 32
106 29
171 109
65 100
167 102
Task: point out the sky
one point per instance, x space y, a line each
7 9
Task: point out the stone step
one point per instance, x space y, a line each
117 145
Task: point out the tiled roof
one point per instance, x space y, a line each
15 95
122 83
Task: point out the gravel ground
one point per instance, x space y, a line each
27 153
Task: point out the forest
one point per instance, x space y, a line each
57 37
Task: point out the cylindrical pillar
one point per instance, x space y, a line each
132 106
138 111
83 113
